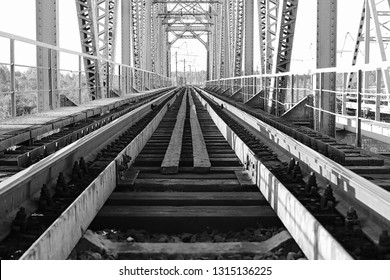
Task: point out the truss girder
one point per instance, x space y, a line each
97 26
270 30
285 36
232 31
261 30
215 43
372 10
86 10
238 52
222 43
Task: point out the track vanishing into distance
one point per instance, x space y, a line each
181 207
186 174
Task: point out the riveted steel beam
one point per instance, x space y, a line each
249 34
47 60
287 13
239 38
97 26
324 97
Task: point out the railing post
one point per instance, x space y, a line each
359 110
276 96
50 76
292 91
344 97
320 113
132 75
80 79
97 79
119 80
108 79
12 69
378 95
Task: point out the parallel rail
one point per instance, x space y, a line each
315 241
61 237
23 188
372 201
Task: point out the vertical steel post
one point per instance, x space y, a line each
97 83
47 32
12 69
320 101
367 43
108 80
50 77
249 32
276 96
148 36
344 97
326 57
80 80
127 50
292 90
378 94
359 110
119 80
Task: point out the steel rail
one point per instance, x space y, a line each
21 188
368 198
60 238
314 240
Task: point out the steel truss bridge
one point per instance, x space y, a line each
106 99
226 29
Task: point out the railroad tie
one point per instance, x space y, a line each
201 157
170 164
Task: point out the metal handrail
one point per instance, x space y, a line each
55 48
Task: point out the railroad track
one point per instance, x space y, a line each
59 175
167 194
370 198
186 194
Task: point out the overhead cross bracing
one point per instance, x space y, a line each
225 28
188 20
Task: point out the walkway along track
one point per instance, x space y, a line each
59 239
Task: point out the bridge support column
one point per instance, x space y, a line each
126 46
324 98
47 60
148 36
248 28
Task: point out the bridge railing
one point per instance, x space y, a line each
269 95
29 88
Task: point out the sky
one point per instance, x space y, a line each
304 50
